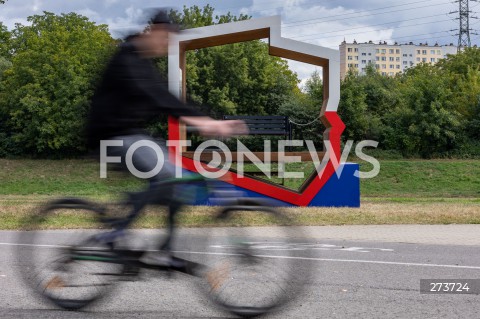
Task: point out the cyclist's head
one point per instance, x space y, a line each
154 41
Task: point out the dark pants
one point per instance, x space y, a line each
144 160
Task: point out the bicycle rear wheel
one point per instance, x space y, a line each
70 268
253 270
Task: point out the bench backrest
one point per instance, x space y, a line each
265 125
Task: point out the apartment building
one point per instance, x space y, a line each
389 59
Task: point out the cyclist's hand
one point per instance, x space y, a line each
207 126
223 128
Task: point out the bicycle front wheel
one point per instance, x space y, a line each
70 268
253 270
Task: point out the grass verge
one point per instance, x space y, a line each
405 192
371 213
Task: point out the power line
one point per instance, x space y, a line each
286 25
413 36
373 25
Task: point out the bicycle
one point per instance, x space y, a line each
239 273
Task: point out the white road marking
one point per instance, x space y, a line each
380 262
346 260
304 246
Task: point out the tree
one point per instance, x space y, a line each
425 121
5 39
55 67
353 108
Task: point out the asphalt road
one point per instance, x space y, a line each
352 278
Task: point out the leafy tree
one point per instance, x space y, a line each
57 62
353 108
5 39
4 65
425 121
303 109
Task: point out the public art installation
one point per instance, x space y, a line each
324 187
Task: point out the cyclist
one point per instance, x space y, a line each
132 92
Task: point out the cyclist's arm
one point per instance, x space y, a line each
146 83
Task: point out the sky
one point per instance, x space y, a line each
321 22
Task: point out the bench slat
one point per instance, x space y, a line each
264 124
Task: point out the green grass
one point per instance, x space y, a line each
63 177
397 179
424 179
405 192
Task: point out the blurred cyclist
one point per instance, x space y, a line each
131 93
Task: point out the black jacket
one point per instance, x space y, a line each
132 92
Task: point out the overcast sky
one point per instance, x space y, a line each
321 22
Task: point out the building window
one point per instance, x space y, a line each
377 58
377 50
356 57
392 66
432 51
405 55
384 66
432 60
377 66
384 58
384 73
418 52
398 66
364 54
405 62
424 52
418 59
349 49
424 59
356 50
384 51
391 51
411 55
439 52
392 59
397 51
364 61
350 57
391 73
356 65
397 59
369 54
349 65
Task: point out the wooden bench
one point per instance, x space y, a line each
265 125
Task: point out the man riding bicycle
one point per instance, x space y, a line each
131 93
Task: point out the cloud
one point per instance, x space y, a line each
91 14
133 20
325 22
37 4
108 3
